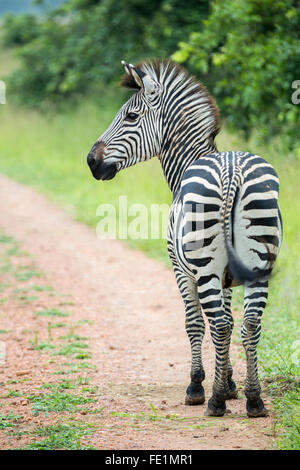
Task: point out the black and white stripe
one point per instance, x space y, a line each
225 226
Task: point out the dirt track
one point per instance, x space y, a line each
136 330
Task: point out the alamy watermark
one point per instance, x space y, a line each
2 92
134 221
296 95
143 222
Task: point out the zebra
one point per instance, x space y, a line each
225 226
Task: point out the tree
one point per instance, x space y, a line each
249 54
81 44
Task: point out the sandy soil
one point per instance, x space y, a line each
137 336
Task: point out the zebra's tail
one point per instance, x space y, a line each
238 270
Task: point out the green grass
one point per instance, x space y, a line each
10 420
63 385
65 436
73 368
27 298
26 273
154 416
53 396
44 347
74 350
50 155
52 312
38 288
57 401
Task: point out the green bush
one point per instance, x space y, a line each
19 30
82 43
249 54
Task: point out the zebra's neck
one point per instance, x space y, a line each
189 124
177 155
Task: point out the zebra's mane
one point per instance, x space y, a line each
174 77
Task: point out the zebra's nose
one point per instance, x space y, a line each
99 149
91 159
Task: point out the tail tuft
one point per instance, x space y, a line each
239 271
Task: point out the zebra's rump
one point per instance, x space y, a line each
228 200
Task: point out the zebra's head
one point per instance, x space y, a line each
171 115
134 135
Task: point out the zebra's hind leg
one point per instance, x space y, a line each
227 294
195 328
256 295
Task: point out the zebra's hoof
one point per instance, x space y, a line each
215 409
194 394
258 413
215 412
256 409
194 400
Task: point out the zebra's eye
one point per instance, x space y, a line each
131 117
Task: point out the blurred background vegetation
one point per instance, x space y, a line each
60 61
246 51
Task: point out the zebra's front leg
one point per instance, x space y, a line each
212 302
227 294
195 328
255 301
220 333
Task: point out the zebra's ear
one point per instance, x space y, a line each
141 79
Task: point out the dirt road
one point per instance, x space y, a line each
134 319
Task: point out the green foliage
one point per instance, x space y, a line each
81 44
287 408
249 53
19 29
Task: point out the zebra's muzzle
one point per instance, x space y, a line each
108 171
100 169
